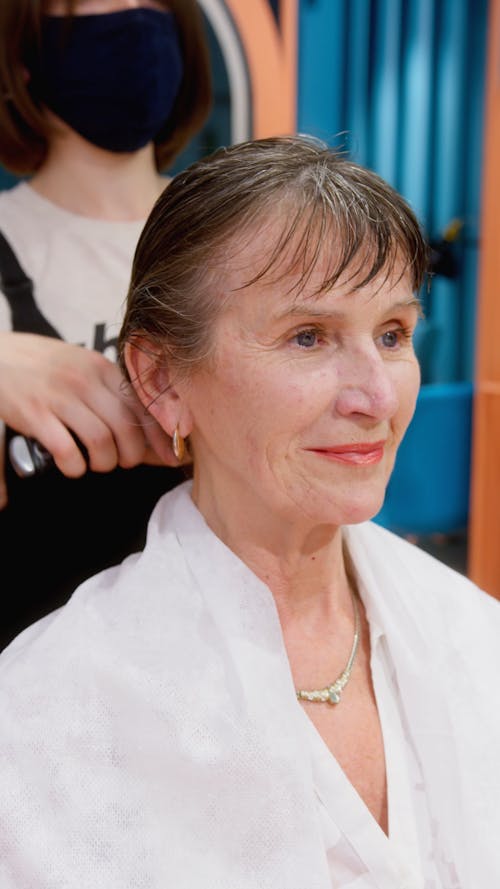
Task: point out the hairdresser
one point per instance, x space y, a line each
97 97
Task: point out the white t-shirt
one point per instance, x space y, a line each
80 266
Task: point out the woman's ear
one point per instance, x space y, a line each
153 382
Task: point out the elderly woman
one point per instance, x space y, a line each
277 693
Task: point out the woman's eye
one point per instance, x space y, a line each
391 339
306 339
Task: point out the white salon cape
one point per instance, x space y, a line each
150 736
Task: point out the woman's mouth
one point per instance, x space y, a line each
357 454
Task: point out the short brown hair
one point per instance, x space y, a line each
25 132
330 206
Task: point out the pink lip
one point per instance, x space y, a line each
361 454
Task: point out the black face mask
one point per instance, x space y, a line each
112 77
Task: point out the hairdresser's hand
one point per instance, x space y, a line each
48 387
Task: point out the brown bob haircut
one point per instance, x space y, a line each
24 130
320 210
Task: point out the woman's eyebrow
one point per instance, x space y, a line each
308 308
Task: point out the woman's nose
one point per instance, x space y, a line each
367 387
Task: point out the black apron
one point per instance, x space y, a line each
56 532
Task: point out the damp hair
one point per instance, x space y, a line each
330 210
25 132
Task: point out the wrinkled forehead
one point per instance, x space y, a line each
307 254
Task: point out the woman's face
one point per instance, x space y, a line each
309 397
95 7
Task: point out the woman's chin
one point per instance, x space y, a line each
356 516
346 508
353 510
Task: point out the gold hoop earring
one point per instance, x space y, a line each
178 445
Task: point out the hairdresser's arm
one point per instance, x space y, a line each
48 386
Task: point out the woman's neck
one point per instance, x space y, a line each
84 179
309 580
300 560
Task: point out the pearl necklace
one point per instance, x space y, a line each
332 693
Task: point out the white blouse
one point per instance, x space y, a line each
360 855
150 734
